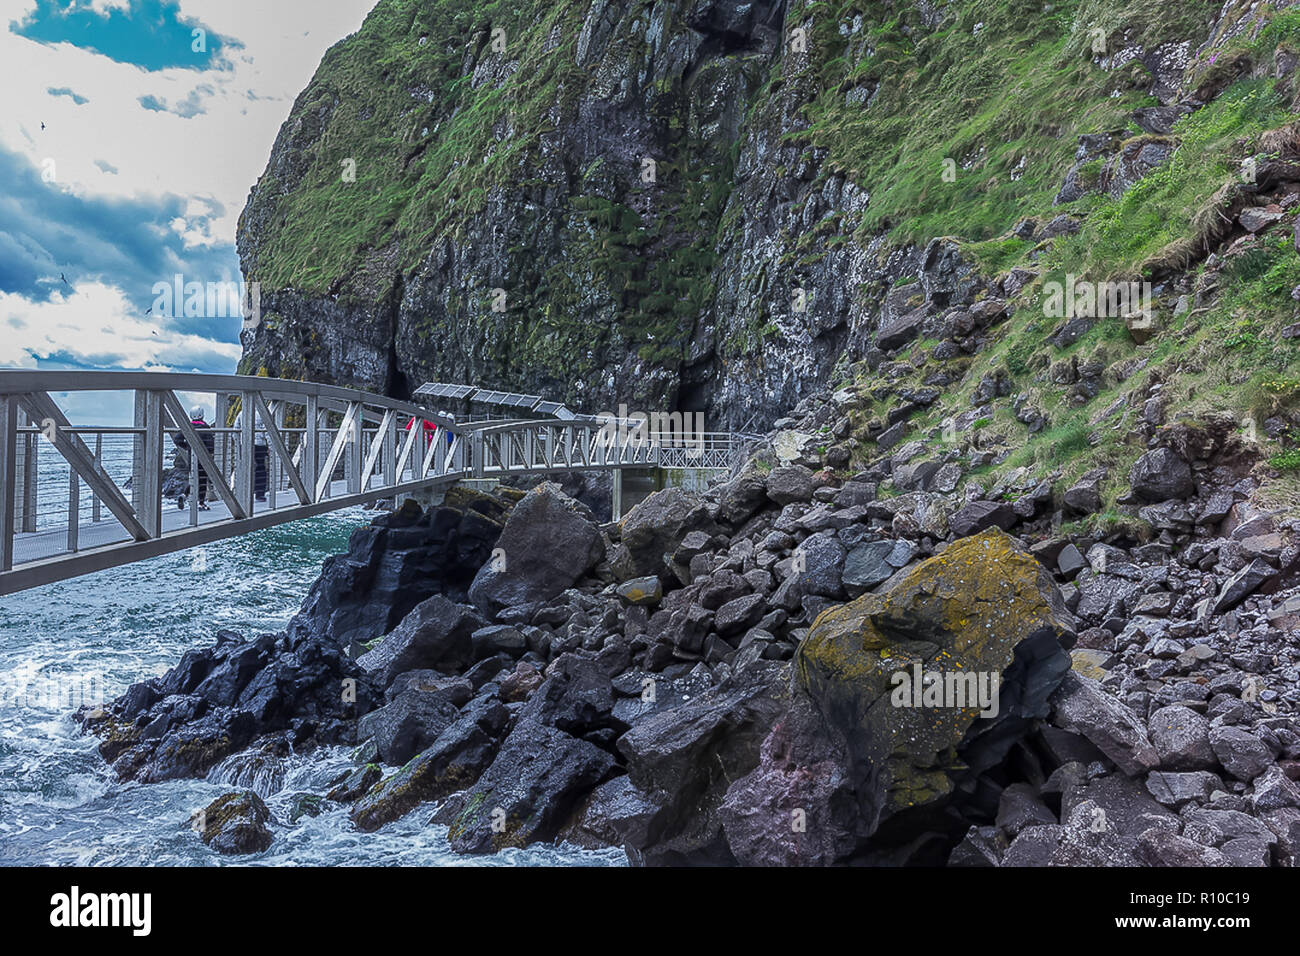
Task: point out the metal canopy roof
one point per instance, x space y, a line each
555 409
444 390
486 396
506 399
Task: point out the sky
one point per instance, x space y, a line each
130 134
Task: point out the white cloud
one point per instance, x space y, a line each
215 155
112 146
95 325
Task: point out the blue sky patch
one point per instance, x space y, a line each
46 232
69 93
152 34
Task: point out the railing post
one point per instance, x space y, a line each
220 419
390 451
139 419
310 462
193 498
273 464
247 423
458 457
8 474
74 509
149 505
477 452
26 475
95 512
356 450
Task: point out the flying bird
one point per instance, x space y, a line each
147 311
42 127
65 280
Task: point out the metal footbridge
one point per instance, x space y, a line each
78 495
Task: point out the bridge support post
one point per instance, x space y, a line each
220 419
149 504
8 474
616 507
476 462
355 450
311 445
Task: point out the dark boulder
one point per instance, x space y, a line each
528 793
576 697
1083 706
683 758
979 515
218 699
790 483
436 634
235 823
399 560
653 530
741 497
407 725
549 541
1161 474
454 761
615 814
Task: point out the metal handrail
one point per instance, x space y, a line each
352 447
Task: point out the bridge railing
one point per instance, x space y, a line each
67 485
550 445
78 494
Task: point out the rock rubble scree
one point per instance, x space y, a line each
764 674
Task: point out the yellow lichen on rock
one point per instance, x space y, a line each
963 610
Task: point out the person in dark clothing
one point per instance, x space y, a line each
260 471
209 442
261 460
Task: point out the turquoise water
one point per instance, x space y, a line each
86 640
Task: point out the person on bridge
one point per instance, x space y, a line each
200 425
260 457
429 427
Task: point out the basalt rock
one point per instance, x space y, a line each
652 530
397 561
218 699
455 760
437 633
235 823
1161 474
539 776
981 607
549 542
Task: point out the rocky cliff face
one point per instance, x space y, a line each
685 204
900 225
542 207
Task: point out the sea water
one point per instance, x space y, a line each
84 641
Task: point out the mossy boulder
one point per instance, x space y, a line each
983 615
235 823
455 761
